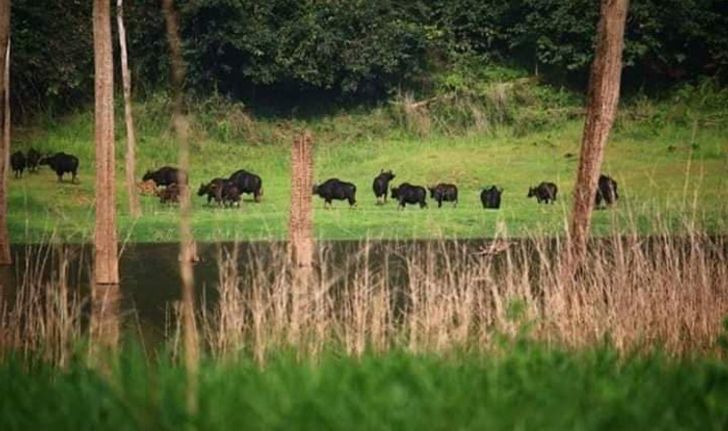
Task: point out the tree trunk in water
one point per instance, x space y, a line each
106 270
300 233
134 207
602 101
5 257
187 245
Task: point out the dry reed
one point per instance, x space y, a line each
637 293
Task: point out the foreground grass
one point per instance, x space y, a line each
528 387
668 171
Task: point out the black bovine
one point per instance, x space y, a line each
381 185
210 188
544 192
248 182
227 193
491 197
407 193
165 176
62 163
18 163
444 192
33 158
335 189
606 191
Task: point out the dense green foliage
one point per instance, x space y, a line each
527 387
284 50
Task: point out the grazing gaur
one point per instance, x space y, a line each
226 193
62 163
17 162
381 184
491 197
248 182
444 193
165 176
407 193
169 194
544 192
209 189
606 191
147 187
335 189
32 160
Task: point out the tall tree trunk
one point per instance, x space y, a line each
134 207
5 257
300 233
602 101
106 269
187 245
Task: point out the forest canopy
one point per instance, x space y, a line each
357 49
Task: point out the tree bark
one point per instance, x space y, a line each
602 100
130 168
187 245
300 234
5 257
106 270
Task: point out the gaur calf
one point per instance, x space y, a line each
62 163
227 193
491 197
444 193
335 189
169 194
407 193
381 185
210 188
544 192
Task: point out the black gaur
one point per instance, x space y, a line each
606 191
381 184
17 162
335 189
444 193
248 182
407 193
491 197
544 192
165 176
62 163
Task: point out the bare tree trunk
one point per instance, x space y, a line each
5 257
300 232
602 101
134 207
106 266
187 245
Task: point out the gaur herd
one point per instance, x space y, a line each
227 192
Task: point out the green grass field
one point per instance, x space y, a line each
669 172
527 387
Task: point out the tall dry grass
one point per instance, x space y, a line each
638 293
43 315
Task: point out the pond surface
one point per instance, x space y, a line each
149 272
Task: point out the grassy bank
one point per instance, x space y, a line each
670 159
525 387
